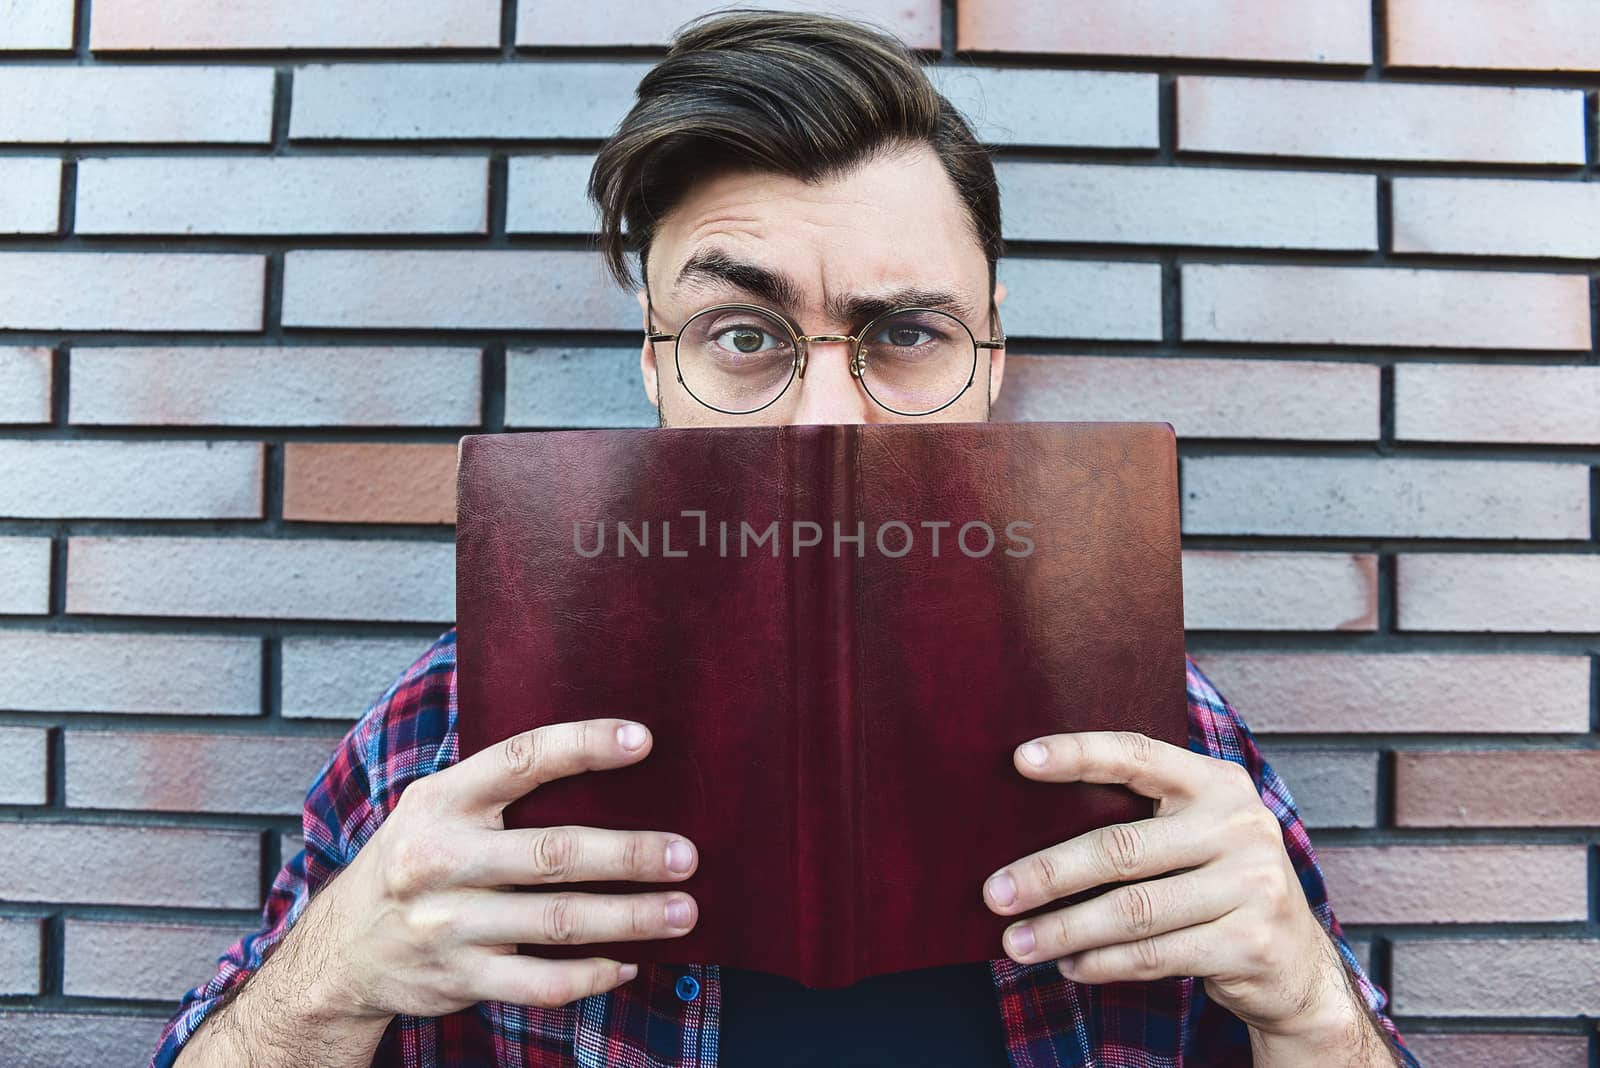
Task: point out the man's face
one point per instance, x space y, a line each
892 229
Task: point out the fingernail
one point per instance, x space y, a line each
679 855
677 913
628 971
1021 939
1002 890
631 736
1064 966
1033 753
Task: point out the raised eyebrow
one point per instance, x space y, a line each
860 308
711 267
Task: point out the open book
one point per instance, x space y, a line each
837 634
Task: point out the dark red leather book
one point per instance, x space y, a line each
838 634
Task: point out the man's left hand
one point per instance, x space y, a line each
1211 890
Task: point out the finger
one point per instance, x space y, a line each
550 918
1189 951
535 855
1146 765
1116 853
492 778
1125 914
523 980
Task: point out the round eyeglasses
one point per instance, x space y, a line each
740 358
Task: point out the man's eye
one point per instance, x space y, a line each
745 340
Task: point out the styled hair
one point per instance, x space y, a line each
808 96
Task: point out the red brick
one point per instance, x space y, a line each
125 864
131 25
1490 34
361 483
157 961
171 771
1279 591
300 385
588 25
1498 592
1457 884
1299 31
1499 1050
1535 977
1297 400
1412 692
1502 403
34 1039
1502 788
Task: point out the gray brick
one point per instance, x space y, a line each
51 1039
25 385
539 24
1331 787
451 289
159 674
199 24
180 771
24 576
1509 403
269 578
130 290
283 386
1161 205
339 678
1279 591
1379 120
1069 108
21 946
23 765
474 101
30 194
1497 217
1081 299
1535 977
1357 497
1384 306
37 25
1300 400
120 864
283 195
559 387
155 961
131 479
1533 592
111 104
547 195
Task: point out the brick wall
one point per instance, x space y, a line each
262 264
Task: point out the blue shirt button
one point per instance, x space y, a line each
688 987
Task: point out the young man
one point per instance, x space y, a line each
803 169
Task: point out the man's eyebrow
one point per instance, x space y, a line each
710 268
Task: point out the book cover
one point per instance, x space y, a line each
837 634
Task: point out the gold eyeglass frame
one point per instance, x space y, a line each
802 348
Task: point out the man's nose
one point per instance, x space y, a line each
829 393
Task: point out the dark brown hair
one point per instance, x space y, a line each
804 95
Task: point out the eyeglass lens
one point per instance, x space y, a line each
739 360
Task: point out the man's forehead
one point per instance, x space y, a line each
714 271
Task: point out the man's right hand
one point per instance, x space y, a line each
424 922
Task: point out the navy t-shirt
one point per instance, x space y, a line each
929 1017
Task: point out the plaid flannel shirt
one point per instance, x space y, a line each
661 1018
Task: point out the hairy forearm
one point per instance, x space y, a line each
1350 1036
287 1013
